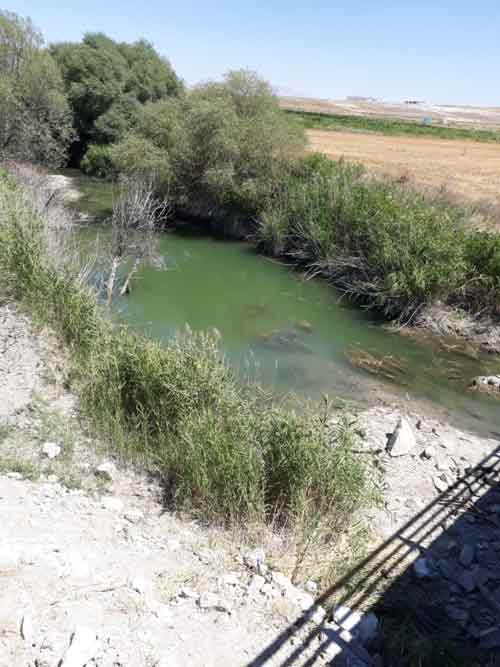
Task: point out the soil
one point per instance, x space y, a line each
466 169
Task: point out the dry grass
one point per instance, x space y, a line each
469 170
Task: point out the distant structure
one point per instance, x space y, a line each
360 98
414 102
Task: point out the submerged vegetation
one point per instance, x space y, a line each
221 450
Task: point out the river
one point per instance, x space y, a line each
290 333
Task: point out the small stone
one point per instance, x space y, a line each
140 585
255 559
51 450
440 483
281 581
467 580
14 475
188 593
134 516
113 504
106 471
83 647
311 586
230 580
422 568
8 561
402 441
467 555
163 613
256 584
211 601
429 452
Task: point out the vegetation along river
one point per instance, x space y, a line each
290 333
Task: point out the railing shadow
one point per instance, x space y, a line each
423 619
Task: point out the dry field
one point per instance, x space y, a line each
466 168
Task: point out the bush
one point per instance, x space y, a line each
226 145
98 161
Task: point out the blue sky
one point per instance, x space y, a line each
442 51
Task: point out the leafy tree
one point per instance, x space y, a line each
107 82
35 119
224 144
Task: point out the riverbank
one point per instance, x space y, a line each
181 579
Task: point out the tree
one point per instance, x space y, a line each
35 119
107 82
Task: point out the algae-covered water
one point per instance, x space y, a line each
290 333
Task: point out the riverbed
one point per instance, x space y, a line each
290 333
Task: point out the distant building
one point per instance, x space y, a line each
414 102
360 98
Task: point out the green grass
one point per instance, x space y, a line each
336 122
220 449
383 243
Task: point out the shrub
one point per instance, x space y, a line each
98 161
227 145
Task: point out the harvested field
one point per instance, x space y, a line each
467 169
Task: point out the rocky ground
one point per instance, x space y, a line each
94 570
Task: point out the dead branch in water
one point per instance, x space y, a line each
136 213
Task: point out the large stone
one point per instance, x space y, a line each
402 441
83 647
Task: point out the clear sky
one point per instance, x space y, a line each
442 51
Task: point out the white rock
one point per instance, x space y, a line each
134 516
402 441
441 482
189 593
212 601
8 560
255 559
83 647
51 450
14 475
429 452
230 579
113 504
140 585
256 584
106 470
311 586
163 613
281 581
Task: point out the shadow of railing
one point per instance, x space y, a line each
425 533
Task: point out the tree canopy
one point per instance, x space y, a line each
107 82
35 118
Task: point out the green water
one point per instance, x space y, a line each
290 333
